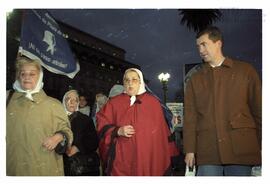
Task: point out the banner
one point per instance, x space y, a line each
42 39
178 111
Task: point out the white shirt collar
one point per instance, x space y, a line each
213 66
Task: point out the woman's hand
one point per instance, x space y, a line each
51 142
72 151
126 131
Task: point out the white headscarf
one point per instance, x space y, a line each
28 93
116 90
142 85
101 101
64 103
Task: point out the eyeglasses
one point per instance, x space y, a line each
135 81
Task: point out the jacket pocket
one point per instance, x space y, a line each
244 136
242 121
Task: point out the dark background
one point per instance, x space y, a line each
155 39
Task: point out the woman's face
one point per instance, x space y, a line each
28 77
72 101
132 83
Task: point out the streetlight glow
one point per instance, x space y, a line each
164 78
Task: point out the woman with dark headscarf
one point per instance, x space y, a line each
81 158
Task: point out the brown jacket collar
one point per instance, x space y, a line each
227 63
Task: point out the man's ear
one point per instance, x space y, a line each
219 42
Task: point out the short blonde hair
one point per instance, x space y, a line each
22 60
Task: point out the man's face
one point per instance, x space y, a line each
132 83
208 49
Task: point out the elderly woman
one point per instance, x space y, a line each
81 158
36 126
100 101
133 132
116 90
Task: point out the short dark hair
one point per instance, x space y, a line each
83 94
213 32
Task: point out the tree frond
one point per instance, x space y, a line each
198 19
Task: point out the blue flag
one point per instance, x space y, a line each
42 39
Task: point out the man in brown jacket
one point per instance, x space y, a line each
222 126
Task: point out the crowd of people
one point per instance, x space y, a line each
128 132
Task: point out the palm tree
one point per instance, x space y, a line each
199 19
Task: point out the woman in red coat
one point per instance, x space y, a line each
133 132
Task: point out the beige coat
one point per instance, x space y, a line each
222 114
28 124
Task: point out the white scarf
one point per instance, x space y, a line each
116 90
142 85
28 93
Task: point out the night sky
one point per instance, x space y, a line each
155 39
